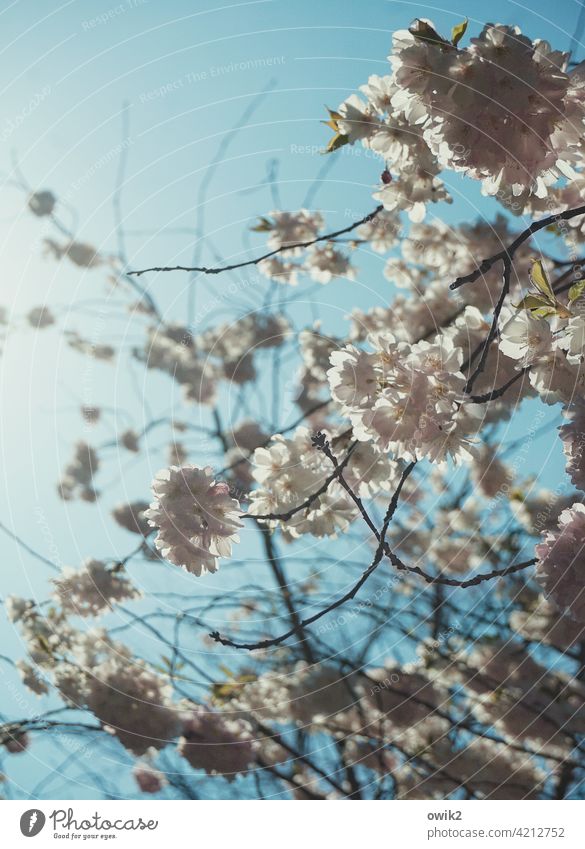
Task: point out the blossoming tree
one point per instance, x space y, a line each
417 626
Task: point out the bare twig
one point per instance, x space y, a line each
263 644
507 271
501 390
416 570
219 269
508 253
27 548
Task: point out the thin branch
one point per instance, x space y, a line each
219 269
507 271
285 517
283 587
272 734
453 582
11 729
323 444
202 192
508 253
497 393
416 570
280 432
484 346
27 548
275 641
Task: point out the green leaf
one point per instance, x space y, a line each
224 691
264 226
545 312
458 32
44 644
544 302
540 281
336 142
576 290
532 302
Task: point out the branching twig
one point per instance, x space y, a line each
416 570
483 347
508 253
275 641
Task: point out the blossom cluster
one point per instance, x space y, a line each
288 232
505 110
195 516
424 382
406 399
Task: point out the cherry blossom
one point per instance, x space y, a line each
560 563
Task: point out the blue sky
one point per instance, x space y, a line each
187 72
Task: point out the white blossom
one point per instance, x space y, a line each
93 589
561 563
195 516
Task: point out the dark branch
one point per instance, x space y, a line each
494 326
453 582
275 641
508 253
285 517
497 393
